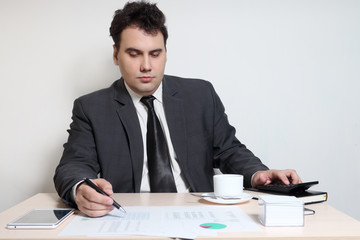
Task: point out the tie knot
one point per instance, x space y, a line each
148 101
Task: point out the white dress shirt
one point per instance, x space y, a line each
141 111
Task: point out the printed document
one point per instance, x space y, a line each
167 221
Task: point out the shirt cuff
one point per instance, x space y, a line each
251 181
73 190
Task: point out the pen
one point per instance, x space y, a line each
92 185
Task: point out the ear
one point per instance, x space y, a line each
115 55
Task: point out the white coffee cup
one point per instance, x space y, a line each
228 185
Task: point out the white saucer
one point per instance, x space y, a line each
212 198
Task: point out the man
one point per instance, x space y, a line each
110 131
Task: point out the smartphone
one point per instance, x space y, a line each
41 218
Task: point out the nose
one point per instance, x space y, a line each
145 65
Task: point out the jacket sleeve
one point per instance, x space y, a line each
230 155
79 159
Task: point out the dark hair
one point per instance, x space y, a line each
144 15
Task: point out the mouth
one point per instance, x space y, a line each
146 79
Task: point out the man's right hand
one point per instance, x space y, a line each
92 203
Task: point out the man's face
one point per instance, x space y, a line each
141 58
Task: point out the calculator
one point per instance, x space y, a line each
287 189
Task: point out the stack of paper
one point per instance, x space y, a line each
166 221
275 211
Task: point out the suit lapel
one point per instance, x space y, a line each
175 116
128 117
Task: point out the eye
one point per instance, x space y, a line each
155 53
133 53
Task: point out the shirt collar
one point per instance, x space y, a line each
136 97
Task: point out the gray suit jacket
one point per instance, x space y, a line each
105 138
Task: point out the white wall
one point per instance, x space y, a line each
287 72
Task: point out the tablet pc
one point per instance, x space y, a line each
41 218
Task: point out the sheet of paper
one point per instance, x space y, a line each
169 221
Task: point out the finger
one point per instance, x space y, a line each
261 178
91 195
104 185
289 176
295 179
95 213
91 202
92 209
267 182
282 176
